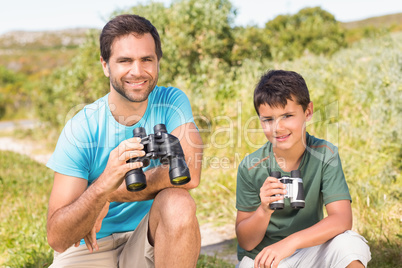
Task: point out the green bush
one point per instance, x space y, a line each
14 94
356 93
357 99
311 30
68 89
198 41
190 31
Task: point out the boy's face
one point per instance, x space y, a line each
285 127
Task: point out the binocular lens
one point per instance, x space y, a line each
136 187
180 180
135 180
178 172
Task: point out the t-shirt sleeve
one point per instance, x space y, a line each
247 197
71 156
179 110
334 186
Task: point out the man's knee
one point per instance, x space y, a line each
175 205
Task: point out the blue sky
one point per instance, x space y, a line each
34 15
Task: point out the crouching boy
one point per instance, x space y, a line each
291 237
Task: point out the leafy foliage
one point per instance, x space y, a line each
190 31
357 97
356 93
13 93
68 89
311 29
251 43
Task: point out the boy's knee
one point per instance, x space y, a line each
350 246
349 241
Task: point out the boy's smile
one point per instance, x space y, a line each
285 127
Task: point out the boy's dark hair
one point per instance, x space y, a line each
124 25
276 87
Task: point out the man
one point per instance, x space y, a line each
155 227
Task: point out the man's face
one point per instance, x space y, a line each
133 66
285 127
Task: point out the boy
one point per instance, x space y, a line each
293 237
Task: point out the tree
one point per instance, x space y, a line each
190 30
311 30
251 43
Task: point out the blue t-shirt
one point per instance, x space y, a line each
88 138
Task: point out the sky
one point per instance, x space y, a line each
38 15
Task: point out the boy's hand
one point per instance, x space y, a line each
271 187
272 255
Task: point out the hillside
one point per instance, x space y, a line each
36 52
71 38
391 20
42 39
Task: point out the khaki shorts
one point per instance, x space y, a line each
338 252
130 249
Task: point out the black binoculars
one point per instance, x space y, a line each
159 145
294 190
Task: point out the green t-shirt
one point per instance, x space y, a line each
323 183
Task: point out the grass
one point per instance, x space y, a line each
25 186
24 190
358 100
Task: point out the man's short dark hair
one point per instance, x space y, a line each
276 87
124 25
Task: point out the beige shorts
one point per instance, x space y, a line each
130 249
335 253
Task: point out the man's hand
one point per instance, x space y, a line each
272 255
117 166
90 239
268 191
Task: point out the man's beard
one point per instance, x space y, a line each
134 97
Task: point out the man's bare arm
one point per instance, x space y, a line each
74 208
72 211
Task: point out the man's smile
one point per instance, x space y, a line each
136 83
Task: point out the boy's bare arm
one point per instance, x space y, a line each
251 226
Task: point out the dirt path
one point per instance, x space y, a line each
215 241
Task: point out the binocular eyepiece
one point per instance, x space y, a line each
294 190
159 145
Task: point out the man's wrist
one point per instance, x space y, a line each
111 197
100 190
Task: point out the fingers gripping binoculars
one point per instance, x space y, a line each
163 146
294 190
